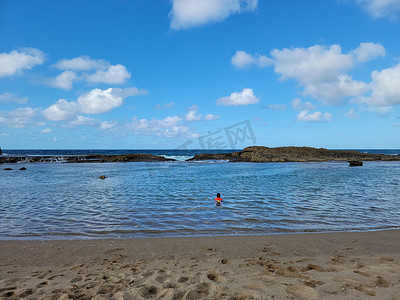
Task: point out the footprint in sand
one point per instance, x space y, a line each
201 291
42 284
302 292
212 277
25 293
149 291
365 290
380 282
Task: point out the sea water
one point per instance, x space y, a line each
158 199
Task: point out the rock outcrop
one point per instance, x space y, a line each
294 154
139 157
355 163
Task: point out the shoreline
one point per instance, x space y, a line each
335 265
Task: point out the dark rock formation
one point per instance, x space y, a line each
85 158
355 163
294 154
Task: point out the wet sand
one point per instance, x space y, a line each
359 265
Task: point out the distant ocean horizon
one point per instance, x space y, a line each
161 199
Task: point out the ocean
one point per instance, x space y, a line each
161 199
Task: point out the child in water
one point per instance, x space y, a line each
218 200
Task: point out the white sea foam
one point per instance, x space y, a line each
178 157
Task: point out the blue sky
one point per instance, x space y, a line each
144 74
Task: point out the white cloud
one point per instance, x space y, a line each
64 80
128 92
116 74
165 105
46 130
244 97
368 51
299 105
7 97
89 70
107 124
61 110
99 101
332 93
14 62
190 13
381 8
83 121
351 114
211 117
96 101
193 115
313 64
384 87
321 71
306 116
242 59
23 112
169 127
82 63
19 118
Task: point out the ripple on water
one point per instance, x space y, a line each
55 201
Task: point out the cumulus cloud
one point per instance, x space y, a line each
107 124
99 101
65 80
83 121
7 97
244 97
242 59
211 117
169 127
46 131
191 13
82 63
306 116
96 101
368 51
116 74
193 115
19 118
321 71
299 105
90 70
332 93
61 110
381 8
384 88
15 61
311 65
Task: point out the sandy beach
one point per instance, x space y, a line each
358 265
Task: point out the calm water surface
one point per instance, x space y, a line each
68 201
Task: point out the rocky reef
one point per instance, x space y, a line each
294 154
85 158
